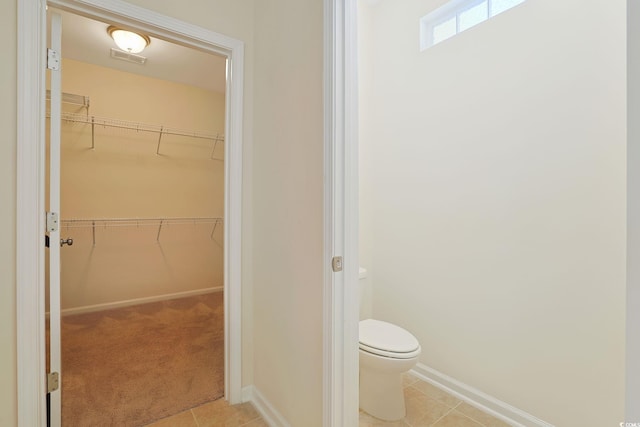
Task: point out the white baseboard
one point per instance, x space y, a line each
270 415
247 393
480 400
136 301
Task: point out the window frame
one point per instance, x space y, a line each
452 9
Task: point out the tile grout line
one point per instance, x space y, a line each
445 414
404 388
451 409
469 416
250 421
258 417
472 419
195 419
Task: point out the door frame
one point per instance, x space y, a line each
30 252
341 289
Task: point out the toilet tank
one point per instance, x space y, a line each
366 298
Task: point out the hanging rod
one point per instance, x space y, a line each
70 98
138 127
138 222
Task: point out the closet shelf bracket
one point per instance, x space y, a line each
214 229
217 139
93 132
159 230
159 139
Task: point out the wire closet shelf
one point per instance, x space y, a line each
103 223
71 98
136 222
139 127
105 122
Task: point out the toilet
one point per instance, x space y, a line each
386 352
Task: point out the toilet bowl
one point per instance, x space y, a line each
386 352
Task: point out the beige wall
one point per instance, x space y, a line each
366 171
288 191
499 204
7 216
124 178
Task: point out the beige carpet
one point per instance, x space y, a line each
135 365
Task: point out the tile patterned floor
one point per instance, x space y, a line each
215 414
427 406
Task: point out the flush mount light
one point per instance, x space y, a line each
128 41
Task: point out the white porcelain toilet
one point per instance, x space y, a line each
386 352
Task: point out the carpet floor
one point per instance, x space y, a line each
134 365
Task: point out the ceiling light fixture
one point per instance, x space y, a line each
128 41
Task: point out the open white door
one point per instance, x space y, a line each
53 229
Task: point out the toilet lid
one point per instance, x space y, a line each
376 334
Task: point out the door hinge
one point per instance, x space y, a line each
53 60
336 263
52 221
53 381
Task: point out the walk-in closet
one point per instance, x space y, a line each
141 218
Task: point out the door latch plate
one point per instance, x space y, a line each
336 263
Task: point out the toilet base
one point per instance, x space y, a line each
381 395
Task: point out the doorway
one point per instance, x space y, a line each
142 219
31 95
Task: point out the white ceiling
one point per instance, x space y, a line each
86 40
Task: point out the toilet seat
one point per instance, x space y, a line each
389 354
387 340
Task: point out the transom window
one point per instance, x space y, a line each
458 15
